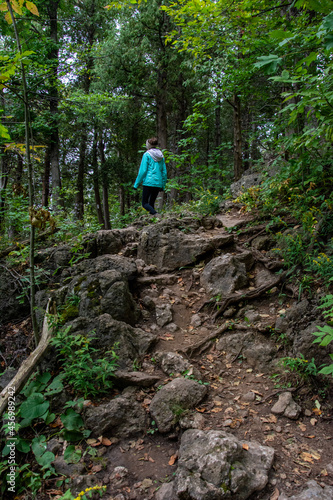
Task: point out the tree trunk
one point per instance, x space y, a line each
52 9
105 186
46 179
122 199
238 163
96 182
79 197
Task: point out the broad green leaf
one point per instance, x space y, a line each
34 407
23 445
71 420
71 455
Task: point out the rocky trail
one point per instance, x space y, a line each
202 408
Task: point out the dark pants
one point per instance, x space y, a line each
149 195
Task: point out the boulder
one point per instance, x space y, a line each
121 417
172 400
248 180
172 362
169 248
131 343
227 273
215 465
312 491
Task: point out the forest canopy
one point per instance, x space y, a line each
226 86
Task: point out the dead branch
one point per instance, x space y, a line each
29 365
252 294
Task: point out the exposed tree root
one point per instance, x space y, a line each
252 294
28 366
202 345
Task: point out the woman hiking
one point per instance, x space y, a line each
152 174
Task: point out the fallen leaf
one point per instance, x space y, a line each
96 468
245 446
310 437
173 459
317 411
216 410
106 441
201 410
91 441
307 457
313 421
315 455
302 427
270 437
151 460
217 403
256 392
324 473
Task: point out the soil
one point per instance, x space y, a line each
239 401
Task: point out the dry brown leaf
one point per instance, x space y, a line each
302 427
245 446
216 410
201 410
106 441
307 457
316 411
96 468
324 473
173 459
151 460
91 441
256 392
313 421
310 437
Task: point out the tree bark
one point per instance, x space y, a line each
52 9
96 181
238 163
46 179
105 186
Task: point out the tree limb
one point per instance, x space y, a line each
29 365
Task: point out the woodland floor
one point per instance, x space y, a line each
303 448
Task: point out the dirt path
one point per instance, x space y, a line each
241 396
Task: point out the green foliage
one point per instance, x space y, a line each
325 333
300 366
82 369
35 412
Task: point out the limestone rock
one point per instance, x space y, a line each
214 465
286 406
312 492
121 417
169 248
227 273
172 400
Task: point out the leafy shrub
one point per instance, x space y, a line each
325 333
88 376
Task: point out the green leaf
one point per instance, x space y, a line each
269 63
23 445
72 436
71 455
71 420
34 407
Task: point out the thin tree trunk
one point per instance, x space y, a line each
53 55
238 163
105 190
79 197
96 182
46 179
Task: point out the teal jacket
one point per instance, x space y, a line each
152 170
